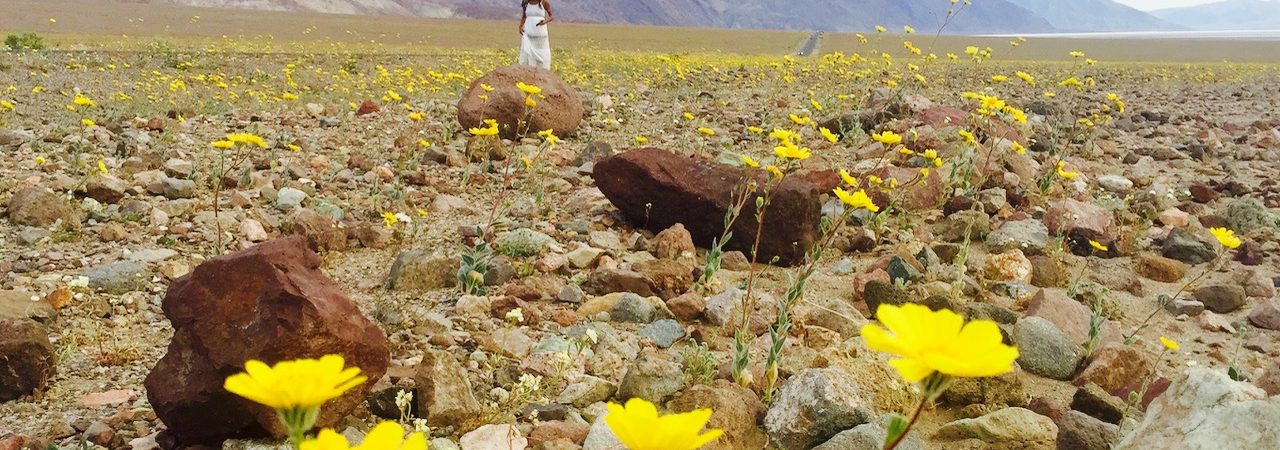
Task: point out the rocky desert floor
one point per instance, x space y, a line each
583 301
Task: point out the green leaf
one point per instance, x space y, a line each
897 426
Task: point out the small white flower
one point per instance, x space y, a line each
516 315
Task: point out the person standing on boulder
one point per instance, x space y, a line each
535 45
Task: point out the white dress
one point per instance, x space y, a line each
535 45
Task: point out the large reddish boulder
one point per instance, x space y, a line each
657 189
559 107
271 303
26 357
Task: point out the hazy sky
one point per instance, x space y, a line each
1148 5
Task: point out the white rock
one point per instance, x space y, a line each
494 437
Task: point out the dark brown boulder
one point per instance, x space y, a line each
26 357
271 303
657 189
559 106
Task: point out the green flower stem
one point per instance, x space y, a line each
933 386
297 422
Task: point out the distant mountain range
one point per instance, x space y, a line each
1226 15
1094 15
982 16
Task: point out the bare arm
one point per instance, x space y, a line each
546 4
522 19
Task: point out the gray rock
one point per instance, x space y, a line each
494 437
1094 401
570 294
1029 235
1006 426
900 269
976 223
584 257
1115 183
1044 350
632 308
176 188
664 332
869 436
523 242
38 206
1183 246
289 199
601 437
1221 298
993 199
1182 306
152 255
1247 214
654 376
499 271
105 188
722 307
1207 410
420 270
1080 431
31 235
444 392
607 240
118 277
587 390
815 405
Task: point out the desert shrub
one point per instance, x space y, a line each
24 41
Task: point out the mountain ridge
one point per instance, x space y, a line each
985 16
1226 15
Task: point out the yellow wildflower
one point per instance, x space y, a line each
1225 237
688 116
6 105
296 384
639 427
1026 77
969 138
528 89
641 140
887 138
755 130
41 160
1098 246
848 179
832 137
1018 148
486 88
88 123
791 151
1062 171
775 171
750 162
706 131
490 128
802 121
550 137
415 116
82 100
1169 343
858 199
908 29
928 342
102 166
389 219
246 139
530 102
